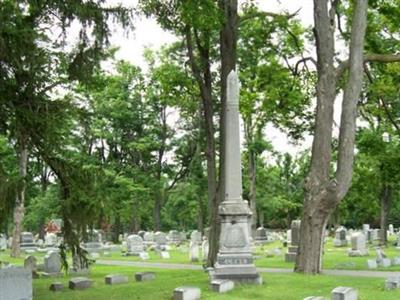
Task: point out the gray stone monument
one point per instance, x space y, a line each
26 241
195 237
358 245
161 240
340 237
3 242
194 252
174 237
52 263
30 263
134 244
290 256
261 237
15 284
344 293
234 259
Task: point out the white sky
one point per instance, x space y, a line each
148 33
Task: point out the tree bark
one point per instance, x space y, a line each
386 197
322 194
251 156
19 209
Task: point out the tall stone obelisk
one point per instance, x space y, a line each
234 260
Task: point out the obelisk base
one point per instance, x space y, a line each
234 259
239 268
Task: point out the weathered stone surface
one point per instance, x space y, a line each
222 286
15 284
56 286
234 259
385 262
358 245
144 255
79 283
165 255
340 237
52 263
187 293
344 293
145 276
30 263
396 261
115 279
134 245
392 283
194 251
371 264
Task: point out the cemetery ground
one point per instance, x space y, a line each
276 285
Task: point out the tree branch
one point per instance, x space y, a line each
264 14
304 60
372 57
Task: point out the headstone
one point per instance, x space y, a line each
15 283
145 276
27 242
234 260
290 256
79 283
365 229
205 248
340 237
371 264
134 244
52 263
314 298
344 293
358 245
144 256
381 259
391 229
187 293
30 263
193 252
148 238
161 240
115 279
174 237
94 242
222 286
392 283
165 255
261 237
3 242
50 239
141 233
396 261
56 286
195 237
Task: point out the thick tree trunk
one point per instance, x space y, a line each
19 209
157 211
386 196
322 194
252 190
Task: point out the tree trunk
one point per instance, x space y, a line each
322 194
19 209
252 189
386 196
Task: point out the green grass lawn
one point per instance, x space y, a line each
275 287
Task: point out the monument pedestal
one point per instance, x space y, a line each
234 260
